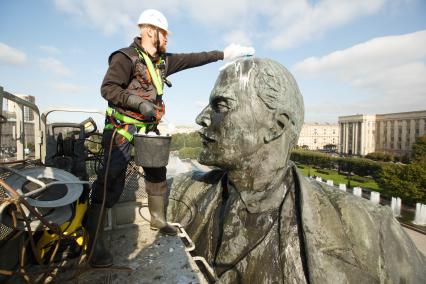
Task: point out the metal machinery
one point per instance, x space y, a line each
44 196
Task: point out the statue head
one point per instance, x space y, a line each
255 113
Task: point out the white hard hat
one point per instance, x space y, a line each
155 18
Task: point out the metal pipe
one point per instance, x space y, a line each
21 102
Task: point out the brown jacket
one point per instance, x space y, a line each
121 72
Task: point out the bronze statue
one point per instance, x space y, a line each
256 219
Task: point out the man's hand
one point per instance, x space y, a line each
144 107
233 51
147 109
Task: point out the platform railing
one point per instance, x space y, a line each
18 105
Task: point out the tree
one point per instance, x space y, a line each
330 147
405 181
419 149
380 156
189 152
181 140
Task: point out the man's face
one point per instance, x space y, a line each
162 36
233 124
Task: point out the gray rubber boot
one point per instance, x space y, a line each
158 219
101 256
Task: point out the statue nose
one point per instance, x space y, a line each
203 119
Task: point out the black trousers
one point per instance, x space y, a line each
120 158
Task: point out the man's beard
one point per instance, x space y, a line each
162 49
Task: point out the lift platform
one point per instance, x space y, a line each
43 198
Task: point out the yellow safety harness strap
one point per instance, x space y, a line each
110 112
154 72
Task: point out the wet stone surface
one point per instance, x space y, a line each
154 258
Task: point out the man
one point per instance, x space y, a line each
256 219
133 87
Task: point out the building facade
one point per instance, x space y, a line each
8 129
169 128
315 135
392 133
28 113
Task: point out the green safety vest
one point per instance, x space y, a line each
158 83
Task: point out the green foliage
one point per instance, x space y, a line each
362 167
313 158
359 166
189 152
330 147
405 181
181 140
31 146
380 156
419 149
363 182
321 171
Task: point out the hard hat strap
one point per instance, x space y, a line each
158 41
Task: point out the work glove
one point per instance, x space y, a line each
144 107
233 51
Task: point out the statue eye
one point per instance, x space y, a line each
220 105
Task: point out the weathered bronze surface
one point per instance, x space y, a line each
256 219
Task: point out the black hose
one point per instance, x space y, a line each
103 196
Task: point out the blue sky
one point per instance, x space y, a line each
348 57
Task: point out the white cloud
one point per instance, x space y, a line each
391 68
201 104
281 24
369 56
239 37
52 50
54 65
10 55
303 21
68 88
108 16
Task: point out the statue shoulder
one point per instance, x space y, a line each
346 229
194 180
189 191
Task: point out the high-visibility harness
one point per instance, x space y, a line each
119 121
153 72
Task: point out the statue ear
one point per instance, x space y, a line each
280 123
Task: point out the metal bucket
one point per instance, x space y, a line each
152 151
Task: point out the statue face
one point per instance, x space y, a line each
233 124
